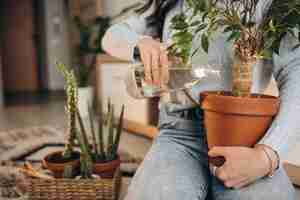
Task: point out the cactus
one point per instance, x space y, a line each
71 107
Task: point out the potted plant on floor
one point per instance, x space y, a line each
101 155
57 161
239 118
91 34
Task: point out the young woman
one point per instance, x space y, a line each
176 167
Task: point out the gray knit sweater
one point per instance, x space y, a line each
121 39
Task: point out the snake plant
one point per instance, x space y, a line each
100 145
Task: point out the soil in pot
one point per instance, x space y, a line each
107 169
237 121
56 163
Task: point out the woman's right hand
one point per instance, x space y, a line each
154 56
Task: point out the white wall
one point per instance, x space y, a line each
57 41
113 7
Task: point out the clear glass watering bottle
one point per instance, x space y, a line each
180 78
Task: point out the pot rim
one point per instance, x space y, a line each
224 102
48 163
106 166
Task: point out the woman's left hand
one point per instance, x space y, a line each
243 165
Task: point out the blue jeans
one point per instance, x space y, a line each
176 167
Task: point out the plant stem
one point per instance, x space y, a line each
118 134
86 156
83 132
242 75
100 136
91 118
110 132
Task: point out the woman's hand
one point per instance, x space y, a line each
155 59
243 165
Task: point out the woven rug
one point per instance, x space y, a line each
20 144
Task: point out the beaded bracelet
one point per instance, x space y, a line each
272 169
277 157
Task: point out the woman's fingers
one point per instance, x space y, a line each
155 67
146 59
236 183
242 184
164 62
222 174
155 59
218 151
230 181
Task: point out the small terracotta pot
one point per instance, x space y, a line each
237 121
107 169
58 167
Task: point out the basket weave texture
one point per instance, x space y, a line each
75 189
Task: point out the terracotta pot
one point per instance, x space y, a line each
58 167
107 169
237 121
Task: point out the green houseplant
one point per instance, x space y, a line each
237 117
90 36
100 156
57 161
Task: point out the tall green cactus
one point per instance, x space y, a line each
71 107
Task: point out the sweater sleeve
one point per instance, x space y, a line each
121 38
286 125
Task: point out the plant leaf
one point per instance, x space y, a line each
100 136
119 132
296 46
110 132
195 23
204 42
91 119
234 36
83 132
201 27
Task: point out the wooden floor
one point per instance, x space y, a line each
50 111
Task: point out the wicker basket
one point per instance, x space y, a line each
72 189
